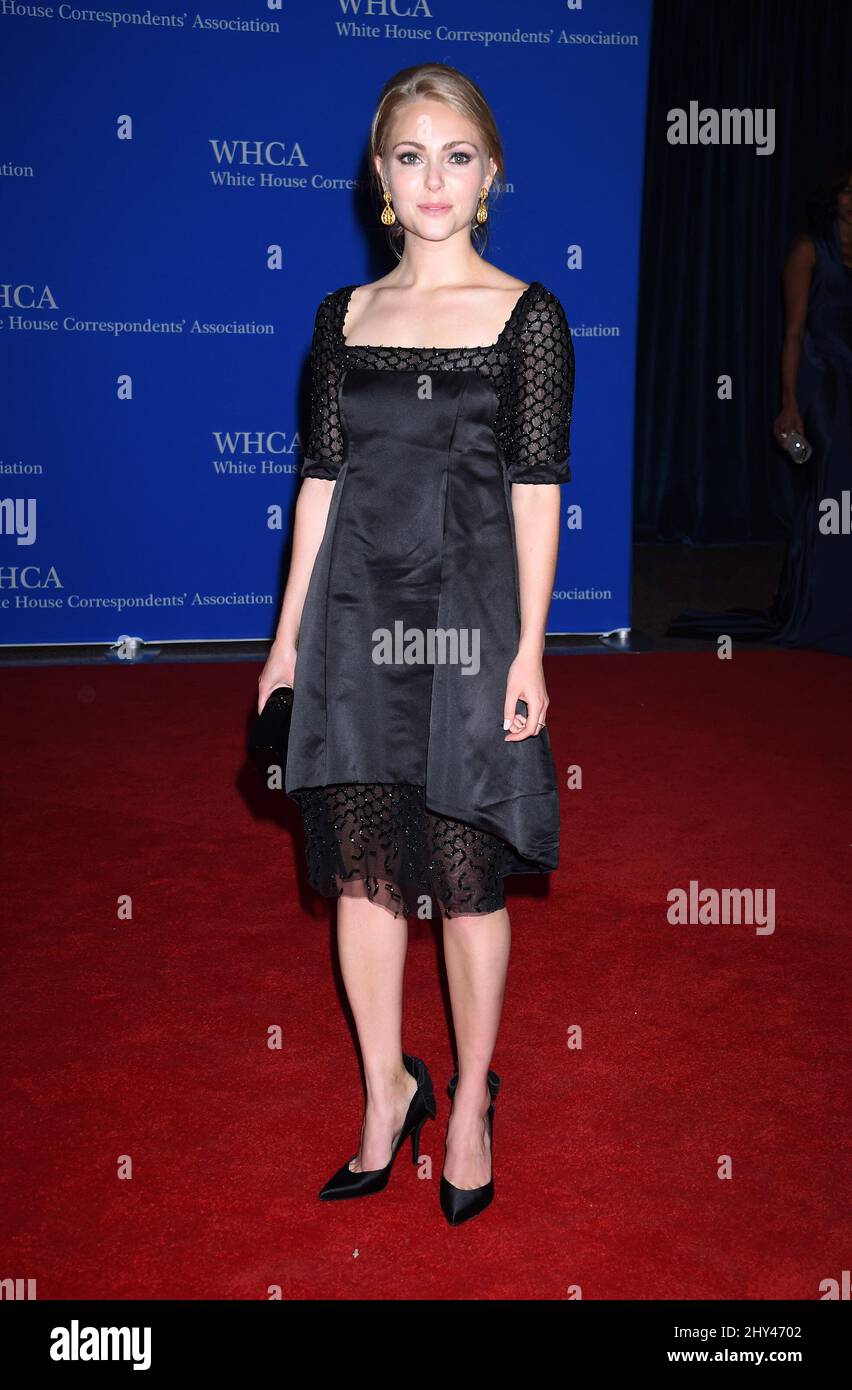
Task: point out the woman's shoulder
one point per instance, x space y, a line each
334 298
329 313
541 311
528 295
539 295
803 250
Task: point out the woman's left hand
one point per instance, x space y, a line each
525 682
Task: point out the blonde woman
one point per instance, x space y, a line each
413 621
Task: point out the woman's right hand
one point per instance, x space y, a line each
280 669
787 420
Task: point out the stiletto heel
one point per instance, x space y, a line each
345 1183
458 1203
415 1141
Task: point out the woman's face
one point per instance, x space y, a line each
434 165
844 200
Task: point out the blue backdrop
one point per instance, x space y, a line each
181 191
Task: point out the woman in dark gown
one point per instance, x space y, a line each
812 606
413 620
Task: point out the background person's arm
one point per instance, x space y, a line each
798 270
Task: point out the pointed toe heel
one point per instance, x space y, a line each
461 1204
345 1184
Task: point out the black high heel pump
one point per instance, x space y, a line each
458 1203
345 1183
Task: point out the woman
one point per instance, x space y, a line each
812 606
420 583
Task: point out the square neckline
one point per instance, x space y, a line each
346 299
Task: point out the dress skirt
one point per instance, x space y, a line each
397 752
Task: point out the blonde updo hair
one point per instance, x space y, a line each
440 83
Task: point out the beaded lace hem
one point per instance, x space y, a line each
410 860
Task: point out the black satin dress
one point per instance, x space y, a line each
397 753
812 606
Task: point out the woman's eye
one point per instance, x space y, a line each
408 155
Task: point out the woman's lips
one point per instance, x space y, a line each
435 209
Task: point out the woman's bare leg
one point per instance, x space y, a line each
372 945
476 951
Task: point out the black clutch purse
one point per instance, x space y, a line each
270 731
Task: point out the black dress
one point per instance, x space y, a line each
397 753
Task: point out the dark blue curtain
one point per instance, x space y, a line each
717 224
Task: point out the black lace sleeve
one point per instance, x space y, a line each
324 449
542 394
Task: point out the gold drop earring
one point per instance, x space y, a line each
482 211
388 215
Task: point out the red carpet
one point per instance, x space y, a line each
147 1037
